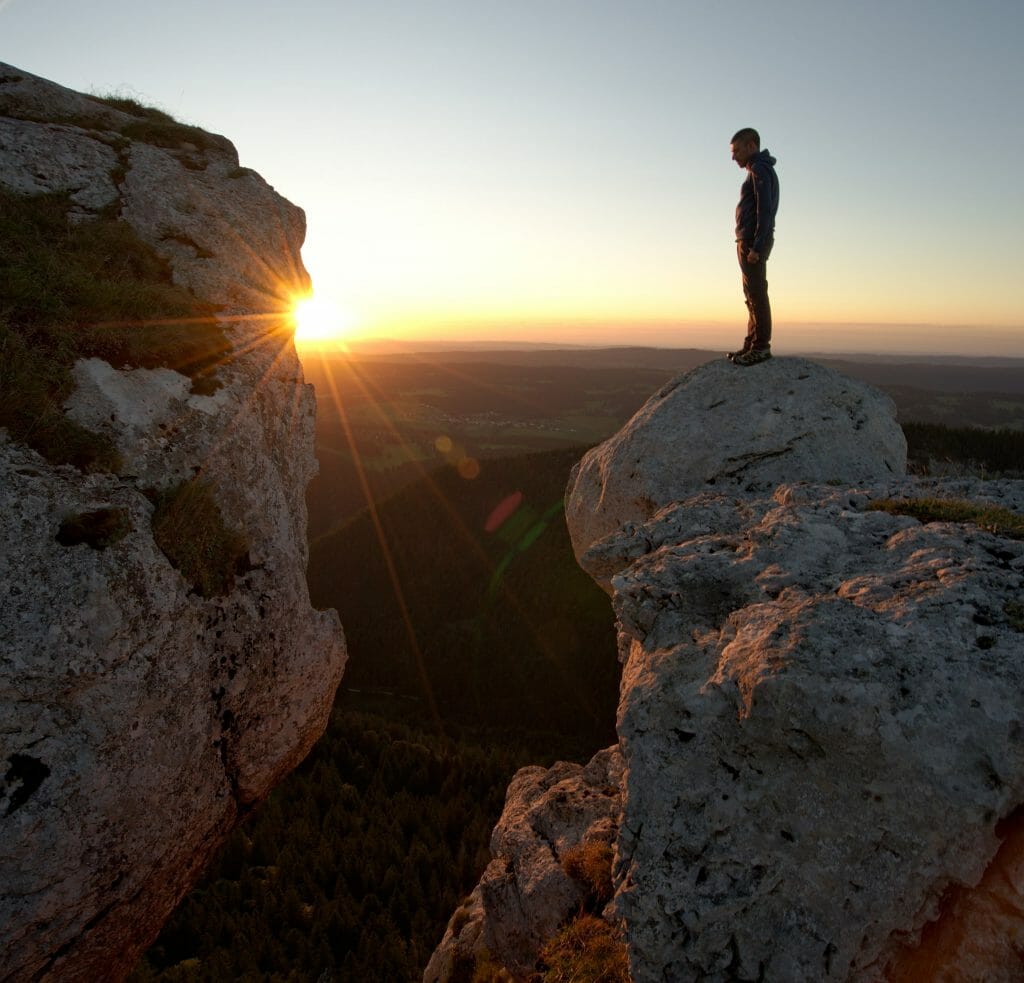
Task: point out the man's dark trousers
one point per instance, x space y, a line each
755 291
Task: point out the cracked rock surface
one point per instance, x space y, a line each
138 720
524 894
822 719
822 705
737 430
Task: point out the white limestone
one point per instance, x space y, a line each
737 430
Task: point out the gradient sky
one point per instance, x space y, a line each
560 169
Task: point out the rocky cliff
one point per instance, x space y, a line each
142 715
822 703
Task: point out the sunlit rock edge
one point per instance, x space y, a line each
139 721
821 708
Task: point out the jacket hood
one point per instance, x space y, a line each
762 157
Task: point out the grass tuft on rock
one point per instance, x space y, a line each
190 530
158 128
590 865
71 290
586 950
991 518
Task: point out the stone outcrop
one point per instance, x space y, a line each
140 720
822 707
231 239
525 893
792 420
821 719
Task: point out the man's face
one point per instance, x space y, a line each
743 151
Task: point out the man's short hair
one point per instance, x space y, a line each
748 133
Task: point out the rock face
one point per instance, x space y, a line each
739 432
525 892
822 707
821 719
138 720
231 239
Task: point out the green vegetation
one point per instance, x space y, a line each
133 107
586 950
147 124
991 452
352 867
71 290
358 859
398 411
991 518
189 528
158 128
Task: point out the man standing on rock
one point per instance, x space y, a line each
755 235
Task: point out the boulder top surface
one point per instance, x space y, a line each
734 429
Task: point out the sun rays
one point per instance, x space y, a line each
319 321
353 384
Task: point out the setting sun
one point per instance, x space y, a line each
318 320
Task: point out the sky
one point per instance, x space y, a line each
559 170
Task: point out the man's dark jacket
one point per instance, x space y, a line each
759 201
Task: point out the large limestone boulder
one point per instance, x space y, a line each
738 430
140 720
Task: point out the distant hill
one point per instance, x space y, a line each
389 414
472 609
940 373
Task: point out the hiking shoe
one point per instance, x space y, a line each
752 357
732 356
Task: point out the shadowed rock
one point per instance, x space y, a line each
525 893
139 720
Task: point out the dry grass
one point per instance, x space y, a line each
158 128
189 528
991 518
586 950
590 865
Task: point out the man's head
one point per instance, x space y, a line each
745 143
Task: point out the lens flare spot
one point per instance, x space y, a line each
503 511
444 444
468 468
